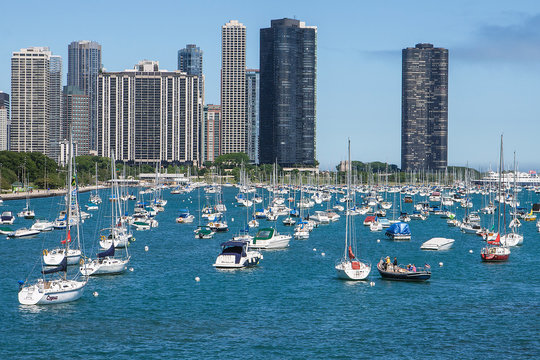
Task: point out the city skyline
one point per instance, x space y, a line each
492 55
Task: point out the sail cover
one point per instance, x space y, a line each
61 267
109 252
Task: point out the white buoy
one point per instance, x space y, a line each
232 219
131 269
95 293
314 249
372 284
441 264
323 254
146 248
197 279
470 251
378 240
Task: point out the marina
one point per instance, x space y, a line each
283 296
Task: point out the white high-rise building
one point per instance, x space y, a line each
3 128
30 100
148 115
233 88
55 106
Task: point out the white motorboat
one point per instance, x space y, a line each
437 244
269 238
27 214
321 217
7 218
301 234
23 233
42 225
237 254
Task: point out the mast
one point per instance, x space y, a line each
499 190
347 215
69 199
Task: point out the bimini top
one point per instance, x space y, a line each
264 234
399 228
233 243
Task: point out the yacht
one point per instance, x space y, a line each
269 238
236 254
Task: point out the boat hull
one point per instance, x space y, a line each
345 270
38 295
404 276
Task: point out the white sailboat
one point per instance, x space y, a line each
349 267
61 289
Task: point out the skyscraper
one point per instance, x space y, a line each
30 105
84 64
4 117
233 88
288 62
210 132
252 112
148 115
424 108
76 115
55 106
190 60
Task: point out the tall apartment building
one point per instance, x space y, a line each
210 132
190 60
5 123
148 115
424 108
30 100
76 116
233 88
55 106
252 113
84 64
288 63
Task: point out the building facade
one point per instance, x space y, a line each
252 113
5 122
190 60
55 106
233 88
288 63
84 65
424 108
30 105
210 132
147 115
76 116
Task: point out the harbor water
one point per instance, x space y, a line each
292 306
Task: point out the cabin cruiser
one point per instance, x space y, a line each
236 254
269 238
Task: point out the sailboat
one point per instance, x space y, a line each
61 289
494 250
95 198
514 238
349 267
118 237
26 213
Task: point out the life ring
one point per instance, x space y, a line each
103 238
45 252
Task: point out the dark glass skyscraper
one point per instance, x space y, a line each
190 60
288 93
424 108
84 64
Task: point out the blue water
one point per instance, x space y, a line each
291 306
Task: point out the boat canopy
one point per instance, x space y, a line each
264 234
400 228
61 267
233 243
109 252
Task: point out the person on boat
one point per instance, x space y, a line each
387 265
413 268
395 261
409 267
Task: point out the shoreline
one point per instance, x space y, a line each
45 193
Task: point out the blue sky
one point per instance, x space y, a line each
494 74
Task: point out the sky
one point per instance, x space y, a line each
494 66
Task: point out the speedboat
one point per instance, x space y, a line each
397 272
204 232
42 225
269 238
236 254
7 218
437 244
23 233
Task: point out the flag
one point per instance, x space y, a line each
68 238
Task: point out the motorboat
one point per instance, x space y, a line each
269 238
23 233
437 244
289 221
27 214
236 254
389 271
204 232
7 218
184 217
4 230
42 225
